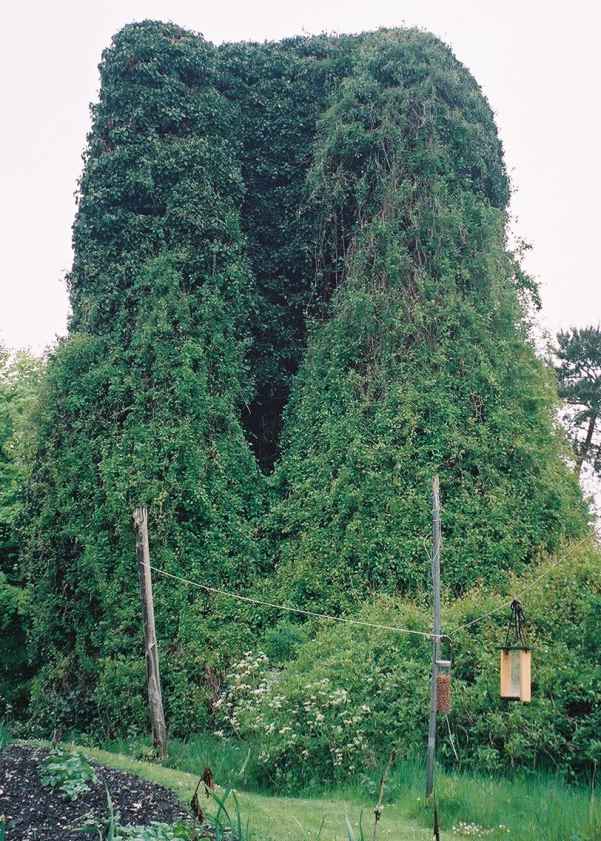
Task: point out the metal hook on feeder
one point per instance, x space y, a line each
516 658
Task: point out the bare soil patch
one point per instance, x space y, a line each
34 811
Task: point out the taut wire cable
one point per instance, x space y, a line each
314 614
525 589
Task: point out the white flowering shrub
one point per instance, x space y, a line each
330 714
246 682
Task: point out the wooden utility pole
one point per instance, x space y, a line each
155 700
436 546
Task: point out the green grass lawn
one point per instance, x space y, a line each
280 818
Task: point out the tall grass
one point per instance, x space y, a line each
533 807
232 762
520 809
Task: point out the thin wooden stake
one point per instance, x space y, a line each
436 546
383 780
155 699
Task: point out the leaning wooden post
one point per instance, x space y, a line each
155 700
436 545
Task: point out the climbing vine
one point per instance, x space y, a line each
313 231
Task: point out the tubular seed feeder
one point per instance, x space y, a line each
515 658
443 680
443 686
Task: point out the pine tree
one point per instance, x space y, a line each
578 368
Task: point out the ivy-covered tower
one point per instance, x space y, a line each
423 363
314 229
145 396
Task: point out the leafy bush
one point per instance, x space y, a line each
68 772
120 695
20 378
282 640
334 710
353 693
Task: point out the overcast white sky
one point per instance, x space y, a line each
538 62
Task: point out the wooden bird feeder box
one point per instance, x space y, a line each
516 659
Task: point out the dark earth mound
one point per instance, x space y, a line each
34 811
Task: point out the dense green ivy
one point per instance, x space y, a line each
424 364
144 399
279 91
315 226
